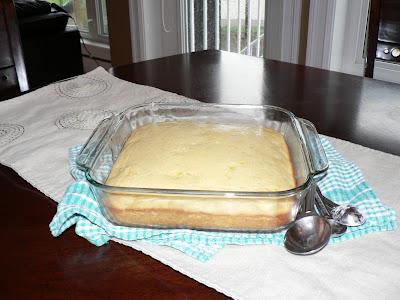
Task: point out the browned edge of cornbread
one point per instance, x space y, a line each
184 219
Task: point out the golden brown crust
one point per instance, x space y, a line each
184 219
200 211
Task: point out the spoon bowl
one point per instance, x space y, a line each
308 235
337 228
348 215
310 232
344 214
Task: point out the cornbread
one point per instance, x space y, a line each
202 156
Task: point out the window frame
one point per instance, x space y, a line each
94 13
337 44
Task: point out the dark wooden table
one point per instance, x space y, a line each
36 265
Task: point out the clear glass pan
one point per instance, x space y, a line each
202 209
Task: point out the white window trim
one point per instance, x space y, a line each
93 33
97 50
138 40
282 30
149 39
356 22
183 25
97 44
332 29
320 31
93 11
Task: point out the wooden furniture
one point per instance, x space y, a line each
36 265
52 49
119 32
372 37
13 78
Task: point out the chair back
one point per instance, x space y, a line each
13 77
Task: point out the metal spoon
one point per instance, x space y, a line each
310 232
336 228
344 214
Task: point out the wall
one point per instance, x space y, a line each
99 55
155 28
282 30
336 35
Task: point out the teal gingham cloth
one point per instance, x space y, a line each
344 183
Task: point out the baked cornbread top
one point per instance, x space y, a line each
203 156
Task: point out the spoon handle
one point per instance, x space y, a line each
310 200
343 214
328 202
336 228
322 208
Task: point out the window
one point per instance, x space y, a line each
162 27
231 25
89 15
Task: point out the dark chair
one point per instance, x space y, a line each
13 76
52 49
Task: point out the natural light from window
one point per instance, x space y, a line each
89 15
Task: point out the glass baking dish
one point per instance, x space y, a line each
231 210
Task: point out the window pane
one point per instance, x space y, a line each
255 39
103 18
231 14
77 9
58 2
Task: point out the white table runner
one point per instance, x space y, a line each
36 130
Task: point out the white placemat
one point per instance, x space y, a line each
36 130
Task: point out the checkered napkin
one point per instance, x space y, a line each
343 184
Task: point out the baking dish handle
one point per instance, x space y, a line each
318 161
94 144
